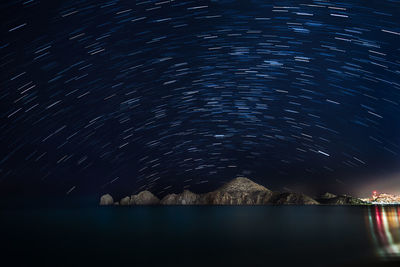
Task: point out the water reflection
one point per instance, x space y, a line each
384 229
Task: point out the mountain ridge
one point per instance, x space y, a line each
238 191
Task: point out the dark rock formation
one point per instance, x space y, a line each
125 201
106 200
185 198
239 191
291 198
331 199
170 199
144 198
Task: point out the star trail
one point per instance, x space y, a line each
165 95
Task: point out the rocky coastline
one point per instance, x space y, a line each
239 191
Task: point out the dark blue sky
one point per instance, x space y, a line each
121 96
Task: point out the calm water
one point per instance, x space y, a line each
203 236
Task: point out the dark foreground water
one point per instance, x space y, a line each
202 236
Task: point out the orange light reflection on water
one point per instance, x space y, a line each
384 229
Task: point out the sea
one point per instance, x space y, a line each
201 236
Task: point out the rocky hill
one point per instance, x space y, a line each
239 191
292 198
143 198
185 198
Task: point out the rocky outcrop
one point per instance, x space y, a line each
144 198
125 201
170 199
185 198
292 198
106 200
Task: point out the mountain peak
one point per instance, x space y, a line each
242 184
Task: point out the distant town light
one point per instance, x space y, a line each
383 198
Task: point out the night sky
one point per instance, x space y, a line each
122 96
